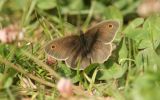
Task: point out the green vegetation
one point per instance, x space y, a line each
131 73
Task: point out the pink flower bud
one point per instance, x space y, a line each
148 7
3 36
65 87
11 33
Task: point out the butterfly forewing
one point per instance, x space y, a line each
105 31
62 48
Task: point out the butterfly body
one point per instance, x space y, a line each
93 46
86 43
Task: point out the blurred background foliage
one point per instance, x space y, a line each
131 73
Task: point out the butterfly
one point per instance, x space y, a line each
93 46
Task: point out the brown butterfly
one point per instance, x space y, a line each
93 46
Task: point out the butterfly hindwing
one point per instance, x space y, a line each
100 52
77 61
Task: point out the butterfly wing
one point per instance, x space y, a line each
77 61
105 31
100 52
60 49
99 39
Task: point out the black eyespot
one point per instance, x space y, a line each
110 26
52 47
